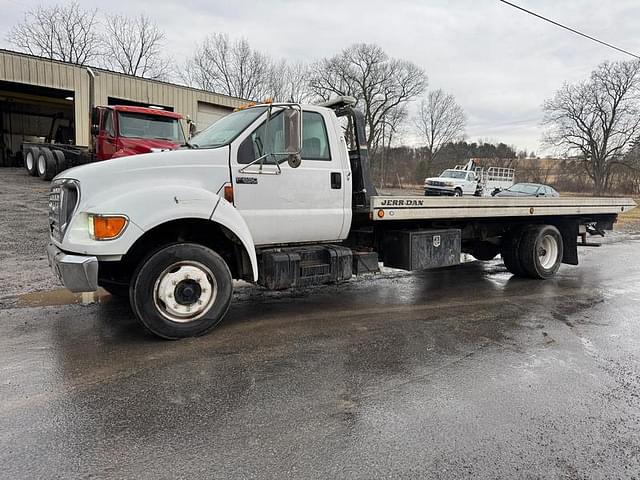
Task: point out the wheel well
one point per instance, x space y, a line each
205 232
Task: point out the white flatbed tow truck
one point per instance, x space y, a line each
432 208
280 195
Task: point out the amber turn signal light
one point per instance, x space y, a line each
228 193
106 227
380 213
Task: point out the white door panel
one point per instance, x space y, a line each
298 204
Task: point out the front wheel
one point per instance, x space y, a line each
457 192
182 290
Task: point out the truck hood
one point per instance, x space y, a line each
195 169
134 146
437 180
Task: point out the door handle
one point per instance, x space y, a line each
336 180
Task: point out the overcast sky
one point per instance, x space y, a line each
499 62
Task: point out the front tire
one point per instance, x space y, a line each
457 192
181 290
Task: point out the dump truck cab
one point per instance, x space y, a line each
123 130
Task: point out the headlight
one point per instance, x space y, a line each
106 227
450 184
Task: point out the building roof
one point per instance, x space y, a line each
112 72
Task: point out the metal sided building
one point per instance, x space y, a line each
38 94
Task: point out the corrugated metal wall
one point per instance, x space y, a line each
21 68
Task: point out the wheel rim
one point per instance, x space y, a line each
185 291
29 161
458 193
548 251
42 167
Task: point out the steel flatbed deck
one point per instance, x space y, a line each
385 208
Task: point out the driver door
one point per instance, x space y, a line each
282 204
106 141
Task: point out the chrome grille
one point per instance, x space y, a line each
54 210
63 199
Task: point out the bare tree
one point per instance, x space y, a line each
390 129
230 67
379 83
61 32
440 120
135 46
288 82
597 119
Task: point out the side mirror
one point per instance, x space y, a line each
293 136
291 139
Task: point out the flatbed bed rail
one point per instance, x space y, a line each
385 208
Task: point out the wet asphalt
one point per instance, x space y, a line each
459 373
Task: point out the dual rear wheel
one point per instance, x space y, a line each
43 162
534 251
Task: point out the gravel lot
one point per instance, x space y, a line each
23 234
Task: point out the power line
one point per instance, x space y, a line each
570 29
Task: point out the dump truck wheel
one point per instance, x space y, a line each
31 160
46 164
61 161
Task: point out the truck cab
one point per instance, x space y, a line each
122 130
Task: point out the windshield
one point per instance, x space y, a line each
524 188
453 174
140 125
227 128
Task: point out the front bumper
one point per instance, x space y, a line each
439 191
78 273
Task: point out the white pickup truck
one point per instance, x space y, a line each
469 180
280 195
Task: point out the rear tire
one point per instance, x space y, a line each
61 161
541 251
46 164
181 290
31 160
510 252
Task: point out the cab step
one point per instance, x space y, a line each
289 267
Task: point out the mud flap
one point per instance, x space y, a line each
569 232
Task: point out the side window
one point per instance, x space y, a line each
263 140
315 143
108 123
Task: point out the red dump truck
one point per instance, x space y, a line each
116 131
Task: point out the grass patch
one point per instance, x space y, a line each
631 217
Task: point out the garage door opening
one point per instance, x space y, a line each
33 114
209 113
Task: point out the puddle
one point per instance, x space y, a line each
61 296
